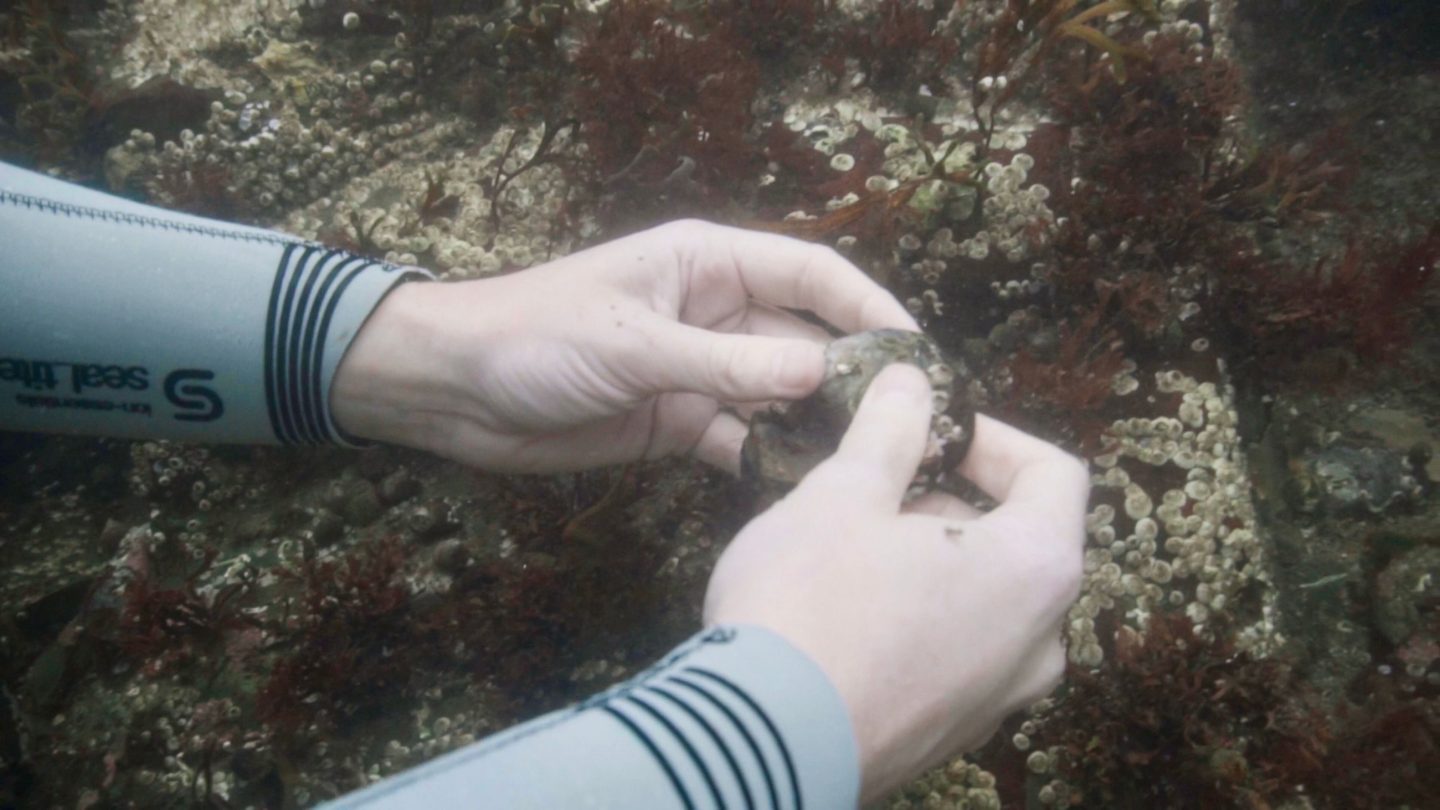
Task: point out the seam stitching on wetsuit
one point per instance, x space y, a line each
122 218
716 635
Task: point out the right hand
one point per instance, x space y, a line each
933 621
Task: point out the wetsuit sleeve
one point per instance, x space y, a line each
120 319
733 718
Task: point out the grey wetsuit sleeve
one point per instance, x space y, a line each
734 718
125 320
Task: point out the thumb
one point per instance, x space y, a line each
882 449
733 368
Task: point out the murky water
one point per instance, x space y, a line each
1193 241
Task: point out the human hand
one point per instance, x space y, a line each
933 621
627 350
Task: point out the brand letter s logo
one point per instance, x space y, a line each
200 403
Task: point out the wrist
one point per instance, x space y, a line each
391 384
880 770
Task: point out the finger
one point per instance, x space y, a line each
614 440
1029 477
763 319
1042 672
942 505
880 452
727 367
720 444
999 453
792 273
747 410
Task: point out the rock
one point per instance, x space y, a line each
110 536
374 463
1349 479
362 505
284 63
452 556
1404 591
1004 337
429 521
43 618
255 526
1401 430
788 441
326 527
250 764
161 106
334 495
122 166
398 486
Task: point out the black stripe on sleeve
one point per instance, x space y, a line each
309 284
655 752
684 743
744 732
312 369
321 340
765 719
272 393
306 415
286 357
714 737
279 354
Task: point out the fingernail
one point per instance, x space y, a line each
798 367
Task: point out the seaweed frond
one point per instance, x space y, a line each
1079 27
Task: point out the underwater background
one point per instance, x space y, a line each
1193 241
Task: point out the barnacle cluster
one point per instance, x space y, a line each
342 153
960 783
188 472
1179 531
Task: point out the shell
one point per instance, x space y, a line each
790 439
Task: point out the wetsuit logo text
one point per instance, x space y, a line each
197 403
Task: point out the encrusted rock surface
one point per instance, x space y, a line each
260 627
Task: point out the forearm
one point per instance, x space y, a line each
126 320
735 717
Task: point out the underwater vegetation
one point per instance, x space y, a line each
1077 198
43 97
649 82
344 626
1180 720
1224 728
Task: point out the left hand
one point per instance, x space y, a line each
628 350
